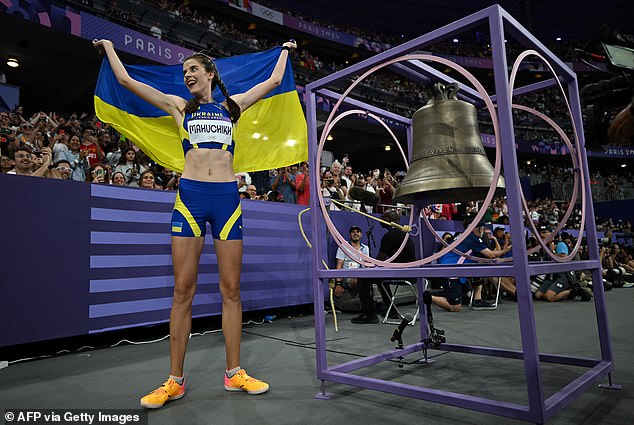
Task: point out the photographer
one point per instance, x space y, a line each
331 190
284 184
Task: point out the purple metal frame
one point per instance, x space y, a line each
539 409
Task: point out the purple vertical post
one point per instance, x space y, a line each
318 289
591 232
520 256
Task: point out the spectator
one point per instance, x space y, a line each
91 145
284 184
451 297
78 161
99 174
390 243
22 161
147 180
156 31
5 164
243 180
118 179
331 191
252 191
346 293
302 184
62 170
130 167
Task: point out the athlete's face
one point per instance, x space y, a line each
196 77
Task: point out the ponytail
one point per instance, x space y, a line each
234 108
193 103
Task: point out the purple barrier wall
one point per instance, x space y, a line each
79 258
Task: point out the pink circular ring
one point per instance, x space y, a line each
341 242
573 151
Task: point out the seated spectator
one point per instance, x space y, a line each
346 293
390 243
450 298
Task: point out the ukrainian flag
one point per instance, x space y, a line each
270 134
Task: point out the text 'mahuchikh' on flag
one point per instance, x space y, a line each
270 134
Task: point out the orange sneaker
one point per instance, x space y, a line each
243 382
170 390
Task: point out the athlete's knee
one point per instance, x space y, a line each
230 293
184 292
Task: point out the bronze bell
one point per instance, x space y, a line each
448 162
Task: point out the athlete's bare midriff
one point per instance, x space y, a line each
209 165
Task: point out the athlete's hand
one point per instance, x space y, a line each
100 45
291 44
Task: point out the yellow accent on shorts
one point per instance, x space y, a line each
181 208
229 224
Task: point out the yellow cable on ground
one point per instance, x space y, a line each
330 286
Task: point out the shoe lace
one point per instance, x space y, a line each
166 387
243 375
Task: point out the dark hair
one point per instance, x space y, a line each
123 160
210 66
24 148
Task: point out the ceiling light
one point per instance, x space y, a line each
329 137
623 165
558 39
387 147
455 40
13 62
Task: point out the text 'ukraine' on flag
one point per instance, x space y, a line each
270 134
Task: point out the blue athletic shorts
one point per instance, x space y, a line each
200 202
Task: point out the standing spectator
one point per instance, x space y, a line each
283 184
90 144
330 190
130 167
302 184
78 162
22 160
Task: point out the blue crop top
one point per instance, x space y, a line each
209 127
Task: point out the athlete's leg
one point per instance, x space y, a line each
185 257
229 254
